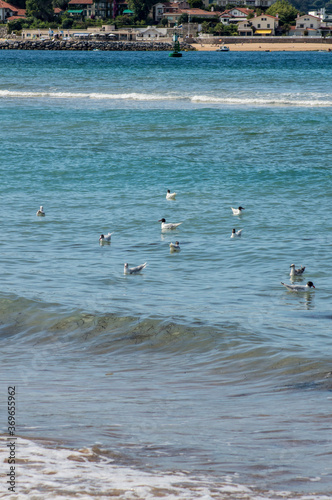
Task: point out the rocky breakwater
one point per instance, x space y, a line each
88 45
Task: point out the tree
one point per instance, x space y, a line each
141 8
67 23
225 29
19 3
123 20
287 13
205 27
15 25
328 6
184 18
219 29
40 9
195 4
62 4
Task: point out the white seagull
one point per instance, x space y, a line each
296 272
170 196
105 238
41 212
134 270
165 227
175 247
236 233
237 211
299 288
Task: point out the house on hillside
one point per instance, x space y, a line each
159 9
234 15
173 18
83 8
57 11
263 25
262 4
20 14
102 9
307 25
244 28
239 3
119 8
8 10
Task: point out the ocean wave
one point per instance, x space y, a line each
55 328
252 100
280 100
36 322
130 96
47 470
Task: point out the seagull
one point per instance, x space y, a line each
165 226
105 238
296 272
170 196
41 212
299 288
237 211
236 233
175 247
134 270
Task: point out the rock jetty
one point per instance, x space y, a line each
88 45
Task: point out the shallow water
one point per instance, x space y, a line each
203 365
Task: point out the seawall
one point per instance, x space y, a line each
88 45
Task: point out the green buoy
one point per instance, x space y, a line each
176 47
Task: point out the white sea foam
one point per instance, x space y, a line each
280 100
316 100
45 470
134 96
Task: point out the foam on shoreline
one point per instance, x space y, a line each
49 470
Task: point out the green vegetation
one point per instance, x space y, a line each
287 13
219 29
66 22
62 4
40 9
19 3
196 4
141 8
225 29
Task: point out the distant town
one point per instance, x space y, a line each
116 20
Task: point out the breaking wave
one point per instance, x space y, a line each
316 100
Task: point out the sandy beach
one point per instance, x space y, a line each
266 46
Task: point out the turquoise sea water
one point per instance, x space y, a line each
202 377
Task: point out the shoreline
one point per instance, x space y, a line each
166 45
261 46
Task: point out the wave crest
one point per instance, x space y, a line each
309 101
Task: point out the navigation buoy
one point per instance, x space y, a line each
176 47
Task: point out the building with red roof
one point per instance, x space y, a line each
7 10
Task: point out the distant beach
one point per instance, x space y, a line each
263 46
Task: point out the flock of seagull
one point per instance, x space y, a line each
175 247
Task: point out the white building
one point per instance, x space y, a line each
151 33
308 25
263 25
234 15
